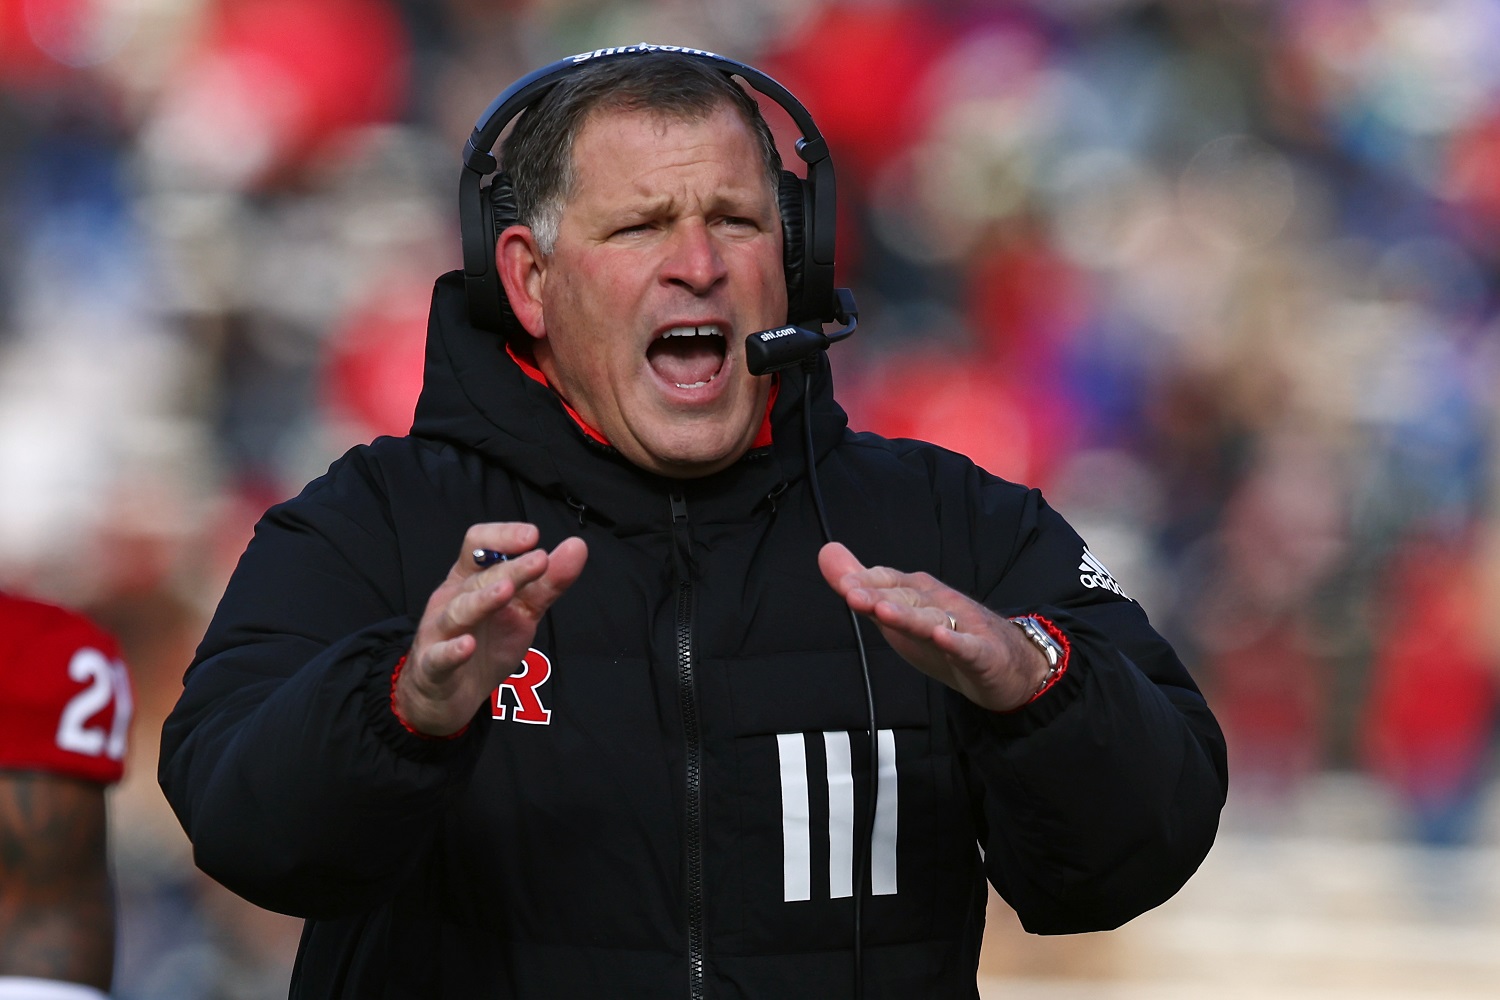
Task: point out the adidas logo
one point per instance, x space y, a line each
1093 574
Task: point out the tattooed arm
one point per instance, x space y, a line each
56 903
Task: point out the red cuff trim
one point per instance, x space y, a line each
762 437
1062 665
396 676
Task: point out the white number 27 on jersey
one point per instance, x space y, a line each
108 681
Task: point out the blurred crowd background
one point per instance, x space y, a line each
1223 278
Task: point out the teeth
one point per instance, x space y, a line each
694 331
702 330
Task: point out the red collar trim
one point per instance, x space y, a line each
535 374
762 437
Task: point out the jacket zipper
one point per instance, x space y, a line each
688 704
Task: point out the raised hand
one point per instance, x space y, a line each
479 622
940 631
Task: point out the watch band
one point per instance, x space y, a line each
1032 627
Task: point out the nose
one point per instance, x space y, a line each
693 260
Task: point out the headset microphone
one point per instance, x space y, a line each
790 345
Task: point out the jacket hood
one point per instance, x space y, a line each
476 397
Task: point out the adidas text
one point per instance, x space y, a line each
1094 575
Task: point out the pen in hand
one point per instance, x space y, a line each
488 557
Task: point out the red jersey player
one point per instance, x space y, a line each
65 707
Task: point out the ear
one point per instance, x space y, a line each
523 271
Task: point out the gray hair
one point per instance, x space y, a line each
538 153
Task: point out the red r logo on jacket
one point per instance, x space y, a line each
535 669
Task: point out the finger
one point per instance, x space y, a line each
464 610
917 621
846 575
566 562
563 567
864 600
505 538
514 582
843 570
837 564
485 594
442 658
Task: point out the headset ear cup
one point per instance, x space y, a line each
791 199
500 213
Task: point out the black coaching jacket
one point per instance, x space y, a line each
668 798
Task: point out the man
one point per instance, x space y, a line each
65 708
672 795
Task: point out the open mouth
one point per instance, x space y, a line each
688 357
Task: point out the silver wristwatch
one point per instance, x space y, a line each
1042 639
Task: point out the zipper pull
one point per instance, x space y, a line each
681 543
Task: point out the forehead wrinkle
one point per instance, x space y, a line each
643 203
603 134
671 204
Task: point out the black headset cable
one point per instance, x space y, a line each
862 856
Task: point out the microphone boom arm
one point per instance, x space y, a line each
788 346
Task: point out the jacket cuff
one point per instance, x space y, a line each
1051 700
392 730
396 710
1056 673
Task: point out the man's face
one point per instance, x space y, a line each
668 255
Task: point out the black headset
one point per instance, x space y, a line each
807 206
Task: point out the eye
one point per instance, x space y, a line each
739 223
